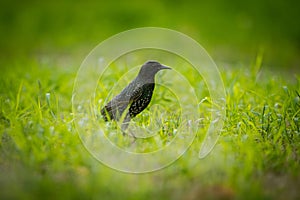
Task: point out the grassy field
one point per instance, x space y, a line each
257 155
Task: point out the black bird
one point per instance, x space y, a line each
135 97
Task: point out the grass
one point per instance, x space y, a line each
257 155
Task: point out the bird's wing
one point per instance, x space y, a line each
136 94
114 109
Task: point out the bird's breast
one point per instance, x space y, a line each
140 103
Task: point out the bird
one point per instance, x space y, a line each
135 97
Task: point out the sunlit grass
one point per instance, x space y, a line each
41 154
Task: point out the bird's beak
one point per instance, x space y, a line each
164 67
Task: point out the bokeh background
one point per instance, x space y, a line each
231 31
43 43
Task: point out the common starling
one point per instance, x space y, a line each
136 95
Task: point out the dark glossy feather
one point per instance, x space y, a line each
135 97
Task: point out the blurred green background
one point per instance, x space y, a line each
231 31
42 44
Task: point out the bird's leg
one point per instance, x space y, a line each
130 133
125 125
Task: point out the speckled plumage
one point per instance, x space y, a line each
136 95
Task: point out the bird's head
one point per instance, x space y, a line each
149 69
